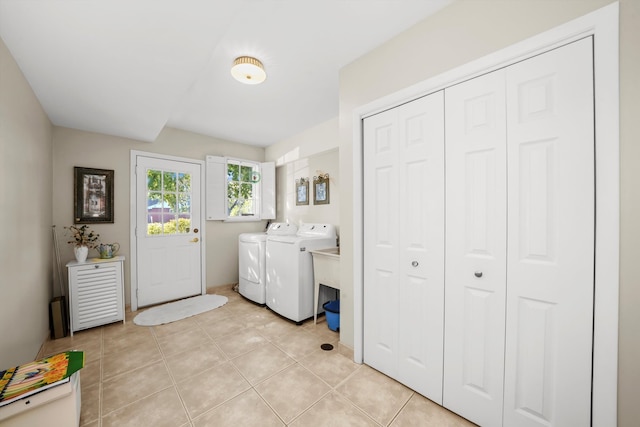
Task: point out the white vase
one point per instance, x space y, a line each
81 253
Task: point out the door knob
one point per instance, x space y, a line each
194 240
414 264
478 274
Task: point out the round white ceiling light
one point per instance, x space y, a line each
248 70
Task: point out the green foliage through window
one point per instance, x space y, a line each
241 188
168 202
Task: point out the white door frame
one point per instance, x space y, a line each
132 221
603 24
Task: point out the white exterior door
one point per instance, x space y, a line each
550 268
168 230
404 243
475 248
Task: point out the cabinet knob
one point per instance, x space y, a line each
96 266
194 240
478 274
414 264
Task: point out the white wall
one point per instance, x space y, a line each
308 167
86 149
320 138
26 244
307 154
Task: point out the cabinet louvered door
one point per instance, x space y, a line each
96 294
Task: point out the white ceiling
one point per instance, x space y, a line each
130 67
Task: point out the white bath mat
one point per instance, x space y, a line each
179 310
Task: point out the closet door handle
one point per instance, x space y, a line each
478 274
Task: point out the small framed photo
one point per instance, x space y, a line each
302 191
93 196
321 189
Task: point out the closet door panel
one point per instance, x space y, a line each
404 241
421 292
550 265
475 248
381 237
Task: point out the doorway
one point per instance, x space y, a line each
167 252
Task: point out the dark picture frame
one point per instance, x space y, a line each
321 189
302 191
93 196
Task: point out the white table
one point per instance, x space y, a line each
326 271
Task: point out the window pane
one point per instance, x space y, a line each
232 172
184 224
247 208
245 173
154 180
184 203
184 182
169 181
170 203
233 205
169 223
154 228
233 190
246 191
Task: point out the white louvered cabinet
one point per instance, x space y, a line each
96 294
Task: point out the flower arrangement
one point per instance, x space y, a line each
83 236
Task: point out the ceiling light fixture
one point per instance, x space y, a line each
248 70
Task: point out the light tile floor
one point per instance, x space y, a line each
238 365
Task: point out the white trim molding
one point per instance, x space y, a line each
603 25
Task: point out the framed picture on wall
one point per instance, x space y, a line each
302 191
321 189
93 196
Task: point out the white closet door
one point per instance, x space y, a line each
404 243
550 239
381 247
475 248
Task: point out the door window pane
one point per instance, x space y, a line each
168 202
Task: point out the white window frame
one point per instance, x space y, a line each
216 190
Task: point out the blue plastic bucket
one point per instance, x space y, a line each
332 313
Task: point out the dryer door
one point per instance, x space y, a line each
250 261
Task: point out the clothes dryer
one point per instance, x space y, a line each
251 260
289 290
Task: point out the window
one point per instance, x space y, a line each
240 190
168 202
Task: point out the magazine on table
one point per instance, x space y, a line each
31 378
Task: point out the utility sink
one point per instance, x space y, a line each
326 271
334 252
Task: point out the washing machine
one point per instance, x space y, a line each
289 290
251 260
